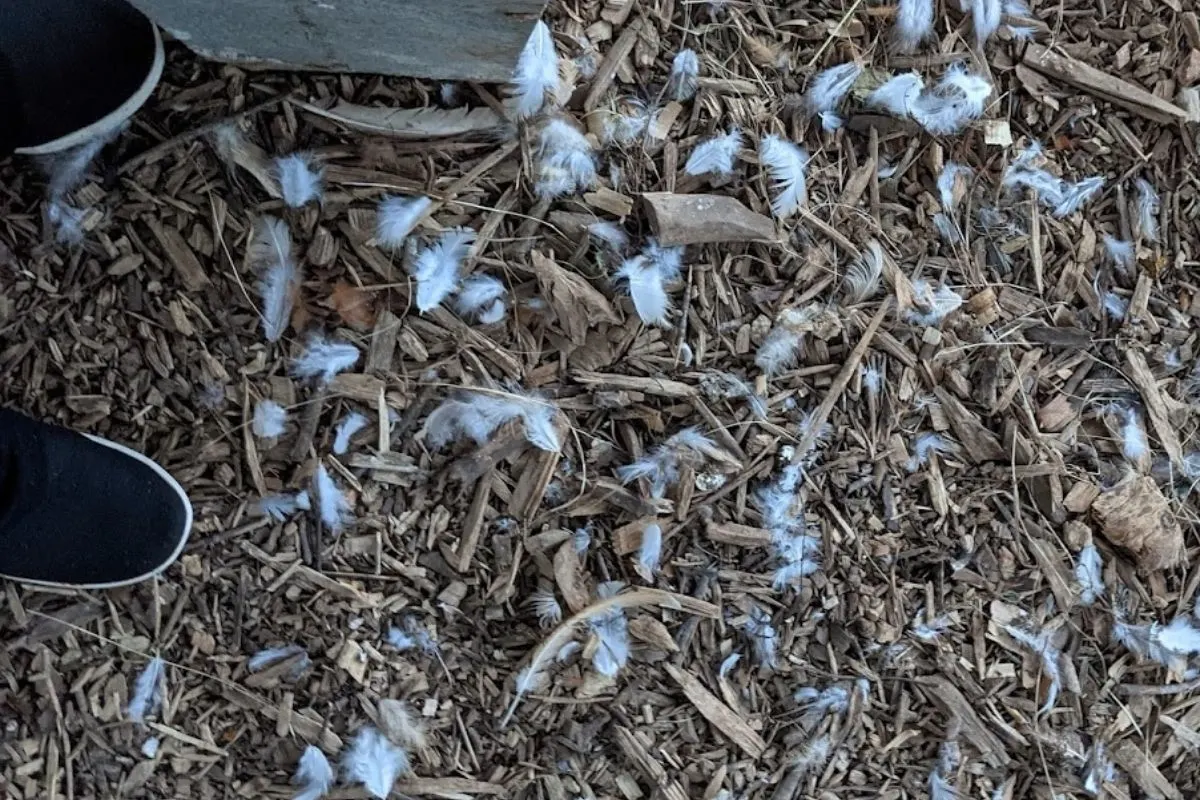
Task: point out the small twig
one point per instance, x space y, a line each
1144 690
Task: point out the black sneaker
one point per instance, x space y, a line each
72 71
84 512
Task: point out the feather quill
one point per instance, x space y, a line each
396 218
334 508
436 270
148 690
270 252
482 298
1148 205
786 163
313 774
715 156
325 359
349 425
374 762
269 419
536 74
685 76
299 181
914 24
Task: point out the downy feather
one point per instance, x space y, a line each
715 156
67 221
546 606
299 181
1134 444
813 755
1040 645
829 87
898 94
650 552
611 234
281 506
272 655
862 278
66 170
536 74
763 638
946 182
925 445
685 76
325 359
482 298
436 270
148 690
477 415
914 24
566 163
374 762
1089 576
940 302
314 774
646 286
612 650
957 99
1148 205
396 217
781 348
985 16
786 163
334 508
661 466
1121 253
349 425
270 252
269 419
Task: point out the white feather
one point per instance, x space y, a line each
280 506
813 755
299 181
67 169
1114 305
929 630
1075 195
898 95
150 746
436 270
728 664
925 445
627 122
482 298
985 15
67 221
148 690
269 419
862 278
685 76
1121 253
324 358
536 74
830 86
940 302
957 99
334 508
646 285
1098 770
566 651
1039 643
914 24
395 219
546 606
478 414
611 234
374 762
800 554
872 379
1134 444
946 181
349 425
270 252
786 162
1148 205
650 552
313 774
667 260
779 350
763 637
1089 576
265 658
566 163
612 650
715 156
1180 636
661 466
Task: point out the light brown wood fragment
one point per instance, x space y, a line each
605 199
180 254
1080 497
383 342
651 631
535 478
1156 408
363 388
612 61
1050 561
1134 761
720 715
1137 517
1056 415
473 524
570 578
445 787
654 772
1101 84
658 387
628 538
978 443
576 303
737 535
947 695
681 219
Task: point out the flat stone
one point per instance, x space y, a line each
700 218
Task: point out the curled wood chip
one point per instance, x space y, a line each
410 123
1135 516
575 302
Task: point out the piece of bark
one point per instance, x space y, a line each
679 219
1133 760
947 695
1102 85
570 577
979 444
576 303
653 771
1136 517
737 535
179 253
720 715
1156 407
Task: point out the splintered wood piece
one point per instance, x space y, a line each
1104 86
659 387
576 303
737 535
180 254
653 771
1137 517
720 715
1134 761
383 342
473 524
947 695
979 444
531 486
570 577
1156 408
1050 560
628 538
679 219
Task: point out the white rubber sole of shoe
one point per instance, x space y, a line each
158 570
115 119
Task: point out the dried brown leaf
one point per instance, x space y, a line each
576 304
355 307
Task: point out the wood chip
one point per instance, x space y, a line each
682 219
1136 516
719 714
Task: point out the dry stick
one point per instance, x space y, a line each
821 415
634 599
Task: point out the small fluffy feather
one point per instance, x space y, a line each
650 552
1114 305
813 755
1148 205
929 630
898 95
925 445
566 163
985 16
829 87
148 690
436 270
67 169
325 359
280 506
1098 770
269 419
914 24
611 234
265 658
627 122
536 74
646 284
947 231
715 156
786 163
662 466
763 637
349 425
299 181
270 253
946 181
482 298
728 664
67 221
546 606
313 774
1134 444
685 76
1089 575
374 762
477 415
396 217
612 650
1121 253
781 347
334 508
1063 198
1040 645
940 302
862 278
957 99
